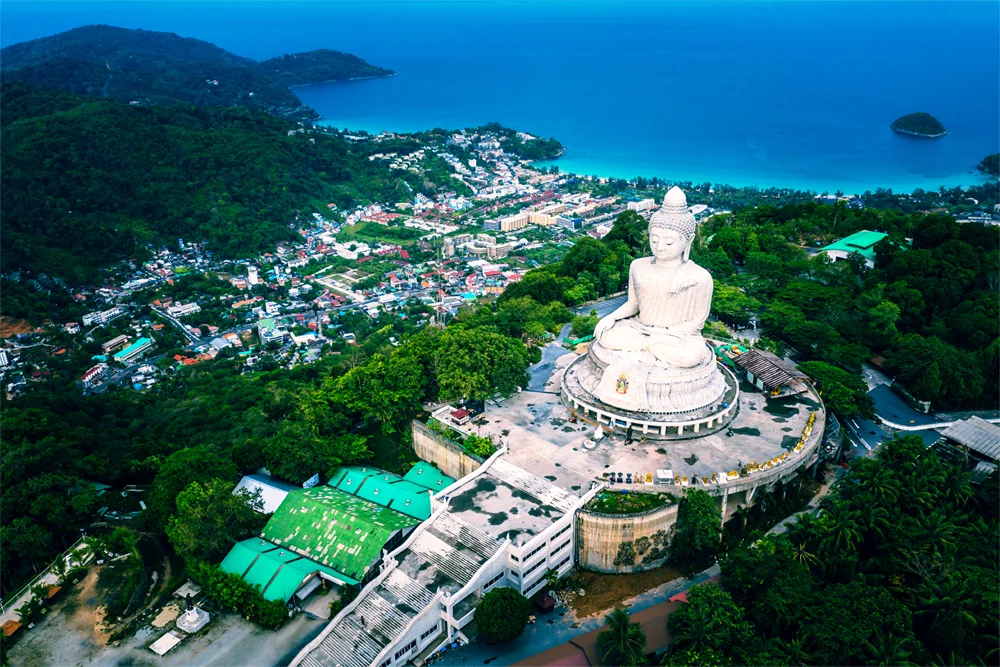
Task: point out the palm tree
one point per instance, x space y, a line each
624 642
700 632
842 526
957 488
802 554
801 649
888 650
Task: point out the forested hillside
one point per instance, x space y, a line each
211 421
88 182
298 69
898 567
162 68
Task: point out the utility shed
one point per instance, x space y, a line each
771 373
337 530
860 243
973 444
978 435
272 491
385 489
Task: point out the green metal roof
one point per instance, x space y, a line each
425 475
386 489
279 572
334 528
862 242
265 324
243 554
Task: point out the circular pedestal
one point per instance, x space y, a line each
652 425
637 382
193 620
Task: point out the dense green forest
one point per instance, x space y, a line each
920 123
213 422
930 307
87 182
162 68
899 567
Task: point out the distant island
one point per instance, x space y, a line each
144 67
990 165
919 124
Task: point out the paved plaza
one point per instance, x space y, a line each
535 426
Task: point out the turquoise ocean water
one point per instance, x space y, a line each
788 94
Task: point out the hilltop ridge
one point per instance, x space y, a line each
162 68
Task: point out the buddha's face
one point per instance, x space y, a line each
667 245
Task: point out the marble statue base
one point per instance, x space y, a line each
193 620
637 383
576 393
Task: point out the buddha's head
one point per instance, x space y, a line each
671 229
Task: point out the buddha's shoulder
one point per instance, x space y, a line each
700 273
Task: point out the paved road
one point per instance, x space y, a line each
867 435
541 372
603 307
177 323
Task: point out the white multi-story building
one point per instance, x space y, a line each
252 277
643 205
102 317
431 584
182 309
93 376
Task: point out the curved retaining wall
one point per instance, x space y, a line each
619 543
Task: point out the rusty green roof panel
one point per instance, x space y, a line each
386 489
334 528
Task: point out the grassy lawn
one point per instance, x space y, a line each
372 231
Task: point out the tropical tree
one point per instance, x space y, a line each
210 518
623 642
711 621
502 615
699 529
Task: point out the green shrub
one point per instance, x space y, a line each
229 591
479 446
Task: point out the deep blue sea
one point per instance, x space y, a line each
789 94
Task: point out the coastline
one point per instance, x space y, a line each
920 135
353 78
831 185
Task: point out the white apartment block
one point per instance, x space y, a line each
94 375
102 317
182 309
431 584
644 205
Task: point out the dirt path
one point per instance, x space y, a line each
604 591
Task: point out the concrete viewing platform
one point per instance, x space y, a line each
536 428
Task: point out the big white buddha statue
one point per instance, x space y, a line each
649 354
